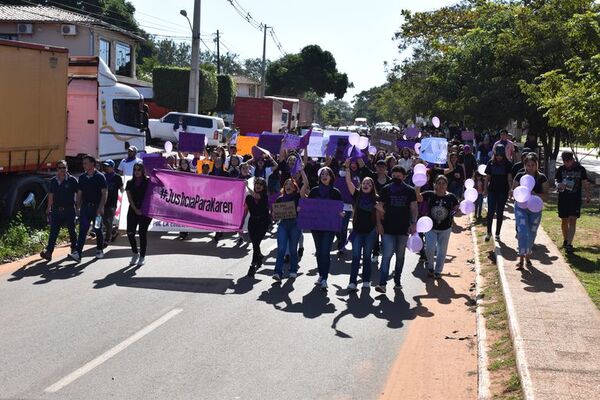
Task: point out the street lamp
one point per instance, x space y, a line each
193 90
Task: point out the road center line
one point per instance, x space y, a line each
111 353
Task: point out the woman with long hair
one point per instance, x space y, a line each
257 205
498 183
324 239
364 222
406 160
136 221
288 233
526 220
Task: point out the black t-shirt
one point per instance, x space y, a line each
517 167
91 187
470 164
396 199
540 179
364 218
64 192
258 208
137 191
452 175
440 209
114 182
572 178
332 194
380 186
498 176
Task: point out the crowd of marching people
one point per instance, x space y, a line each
393 201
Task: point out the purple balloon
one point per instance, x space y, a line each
424 224
522 194
418 148
414 243
535 204
419 179
435 121
467 207
372 150
528 181
471 195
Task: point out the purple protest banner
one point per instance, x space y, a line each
304 140
291 142
197 201
191 142
152 162
252 134
320 215
337 147
340 184
271 142
259 152
406 143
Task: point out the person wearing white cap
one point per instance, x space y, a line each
126 165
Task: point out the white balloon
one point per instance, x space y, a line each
469 183
168 146
522 194
435 121
535 204
467 207
363 142
418 147
419 179
471 195
420 169
372 150
354 138
528 181
205 140
481 169
424 224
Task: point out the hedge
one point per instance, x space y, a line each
227 92
171 84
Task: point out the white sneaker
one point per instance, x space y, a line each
75 256
293 275
276 278
141 261
366 285
351 287
134 259
319 280
99 254
324 284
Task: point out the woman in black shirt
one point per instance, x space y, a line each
364 221
498 182
136 190
257 204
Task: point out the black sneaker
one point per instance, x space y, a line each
569 249
565 244
300 253
46 256
487 237
430 273
438 275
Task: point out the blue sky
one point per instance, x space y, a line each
358 33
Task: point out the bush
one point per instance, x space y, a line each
227 91
171 85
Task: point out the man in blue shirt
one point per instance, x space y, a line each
61 208
91 199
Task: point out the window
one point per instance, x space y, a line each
252 91
8 36
105 51
123 63
201 122
171 118
127 112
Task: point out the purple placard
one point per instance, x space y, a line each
337 147
340 184
271 142
292 142
252 134
320 215
406 143
191 142
412 132
152 162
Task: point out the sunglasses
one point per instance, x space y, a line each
61 167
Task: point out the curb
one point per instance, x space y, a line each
483 384
515 330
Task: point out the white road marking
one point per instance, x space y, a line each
111 353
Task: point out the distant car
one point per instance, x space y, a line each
164 129
316 127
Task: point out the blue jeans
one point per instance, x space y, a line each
323 241
342 235
436 247
527 225
87 215
392 244
362 243
288 235
496 204
58 219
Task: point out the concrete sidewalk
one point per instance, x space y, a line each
554 325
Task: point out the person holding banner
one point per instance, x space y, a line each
395 222
498 184
257 205
288 233
324 239
364 221
136 221
527 220
441 207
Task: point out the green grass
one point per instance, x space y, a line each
586 260
19 238
505 382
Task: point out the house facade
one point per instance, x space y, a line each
81 34
246 87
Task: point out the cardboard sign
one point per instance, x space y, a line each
316 146
384 141
191 142
284 210
245 144
320 215
271 142
200 163
467 135
434 150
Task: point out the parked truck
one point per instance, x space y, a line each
53 107
254 115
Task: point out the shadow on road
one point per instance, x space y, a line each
52 271
538 282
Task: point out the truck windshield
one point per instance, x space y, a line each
127 112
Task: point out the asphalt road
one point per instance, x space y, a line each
190 325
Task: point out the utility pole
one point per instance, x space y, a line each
263 80
218 54
194 88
